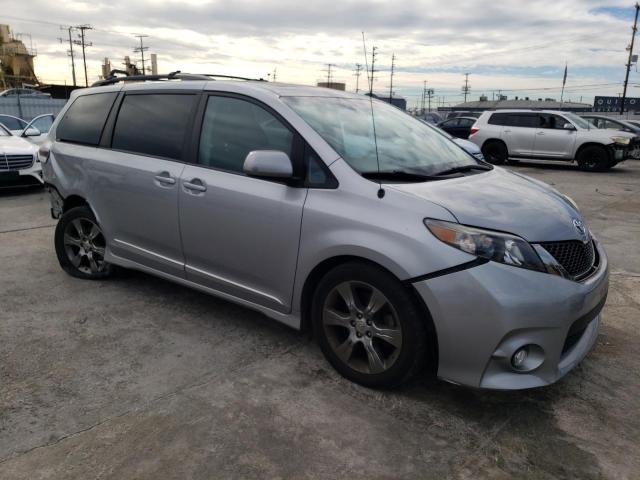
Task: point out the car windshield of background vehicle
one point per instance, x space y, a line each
404 143
577 121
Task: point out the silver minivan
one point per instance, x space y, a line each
334 214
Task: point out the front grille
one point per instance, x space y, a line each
576 257
15 162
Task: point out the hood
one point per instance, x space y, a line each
16 146
503 201
604 134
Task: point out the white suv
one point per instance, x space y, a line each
548 135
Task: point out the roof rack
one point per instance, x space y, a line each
177 75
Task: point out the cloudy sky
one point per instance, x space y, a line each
517 46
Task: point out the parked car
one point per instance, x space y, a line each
24 92
608 123
17 158
466 145
15 124
35 131
548 135
431 117
396 248
463 114
458 127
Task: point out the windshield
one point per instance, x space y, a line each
577 121
404 143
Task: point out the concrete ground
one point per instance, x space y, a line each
136 377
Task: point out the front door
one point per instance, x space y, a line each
240 234
552 139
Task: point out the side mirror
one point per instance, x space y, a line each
568 126
268 164
31 132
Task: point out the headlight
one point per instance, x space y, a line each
494 246
621 140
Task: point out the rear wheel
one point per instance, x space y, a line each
80 245
369 326
495 152
594 159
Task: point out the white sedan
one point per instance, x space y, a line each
18 157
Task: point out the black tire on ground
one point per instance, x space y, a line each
594 159
400 321
495 152
80 245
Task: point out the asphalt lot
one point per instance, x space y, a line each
136 377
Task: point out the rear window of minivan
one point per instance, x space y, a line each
84 120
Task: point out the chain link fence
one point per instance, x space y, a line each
28 108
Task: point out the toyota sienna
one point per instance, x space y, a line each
332 213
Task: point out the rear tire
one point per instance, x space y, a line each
594 159
495 152
80 245
369 326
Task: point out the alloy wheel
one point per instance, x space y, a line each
362 327
84 244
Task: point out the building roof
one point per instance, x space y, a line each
523 104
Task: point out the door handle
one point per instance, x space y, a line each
195 185
540 133
165 178
506 131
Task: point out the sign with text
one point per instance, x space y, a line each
612 104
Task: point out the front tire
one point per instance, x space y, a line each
495 152
369 326
80 245
594 159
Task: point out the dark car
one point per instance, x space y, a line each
608 123
458 127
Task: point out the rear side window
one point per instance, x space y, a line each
84 120
498 119
232 128
153 124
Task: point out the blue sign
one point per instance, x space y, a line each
612 104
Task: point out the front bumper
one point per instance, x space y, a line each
484 314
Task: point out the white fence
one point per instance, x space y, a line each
28 108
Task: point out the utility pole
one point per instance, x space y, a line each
424 97
626 78
73 63
430 93
357 74
466 88
373 62
141 49
393 66
84 44
329 75
275 73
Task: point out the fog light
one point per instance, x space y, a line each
519 357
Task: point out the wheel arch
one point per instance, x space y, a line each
585 145
494 140
322 268
73 201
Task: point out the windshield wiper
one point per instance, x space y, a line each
464 168
399 175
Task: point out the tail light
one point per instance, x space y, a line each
474 131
